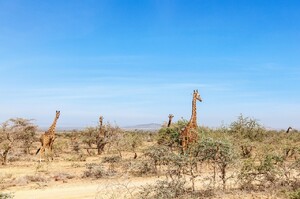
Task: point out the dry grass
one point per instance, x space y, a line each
219 167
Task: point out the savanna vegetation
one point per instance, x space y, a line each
243 159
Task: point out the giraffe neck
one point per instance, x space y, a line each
193 121
100 129
169 123
51 130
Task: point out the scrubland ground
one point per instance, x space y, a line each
243 160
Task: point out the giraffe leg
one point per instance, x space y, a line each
51 147
51 154
43 153
48 153
40 150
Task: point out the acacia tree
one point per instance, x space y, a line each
220 153
170 136
89 138
13 132
247 128
25 131
113 136
6 142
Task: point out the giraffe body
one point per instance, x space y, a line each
47 139
189 133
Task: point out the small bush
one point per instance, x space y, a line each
62 177
60 146
265 174
75 146
141 168
4 177
247 128
295 194
219 152
169 137
159 155
163 189
24 180
75 165
36 178
6 195
95 171
111 159
79 157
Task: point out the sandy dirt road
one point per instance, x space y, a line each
121 188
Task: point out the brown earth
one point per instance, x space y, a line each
63 180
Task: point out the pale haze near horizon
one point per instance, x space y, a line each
136 62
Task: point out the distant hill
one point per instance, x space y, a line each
144 127
148 127
61 129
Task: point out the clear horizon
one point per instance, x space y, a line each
135 62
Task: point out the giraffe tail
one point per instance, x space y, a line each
38 151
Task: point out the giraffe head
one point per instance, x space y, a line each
57 114
197 96
171 116
288 130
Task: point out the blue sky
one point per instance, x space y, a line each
135 62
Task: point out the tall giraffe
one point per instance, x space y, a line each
170 119
189 133
101 142
47 139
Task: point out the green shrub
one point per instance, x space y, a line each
219 152
141 168
295 194
6 195
159 155
111 159
163 189
247 128
170 136
94 171
262 175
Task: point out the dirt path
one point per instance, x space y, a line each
100 189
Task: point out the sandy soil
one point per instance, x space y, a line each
96 189
13 180
48 185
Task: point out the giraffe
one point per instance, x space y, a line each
289 151
101 142
170 119
189 133
288 130
47 139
